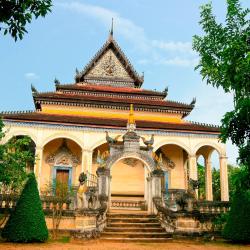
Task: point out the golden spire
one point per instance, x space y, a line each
131 118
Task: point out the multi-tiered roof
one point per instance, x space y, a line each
102 92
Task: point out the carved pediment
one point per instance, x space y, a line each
63 157
109 66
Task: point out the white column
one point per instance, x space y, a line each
224 179
38 165
209 181
86 160
193 172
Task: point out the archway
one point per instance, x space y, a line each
209 178
175 166
61 162
129 186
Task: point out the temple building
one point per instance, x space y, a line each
73 129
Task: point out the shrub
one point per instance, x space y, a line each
27 222
237 228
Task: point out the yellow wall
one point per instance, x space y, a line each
109 113
176 175
127 179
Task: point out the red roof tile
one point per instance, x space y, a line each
105 88
69 97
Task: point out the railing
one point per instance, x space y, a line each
91 180
8 201
128 204
214 207
173 197
50 203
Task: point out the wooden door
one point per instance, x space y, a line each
62 176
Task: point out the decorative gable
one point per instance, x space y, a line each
109 67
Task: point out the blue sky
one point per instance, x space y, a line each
155 35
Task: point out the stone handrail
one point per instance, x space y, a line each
214 207
128 204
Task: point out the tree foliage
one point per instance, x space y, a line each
27 222
237 226
15 157
225 62
235 174
14 15
60 194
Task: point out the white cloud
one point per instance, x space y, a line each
136 35
183 47
179 61
31 76
127 28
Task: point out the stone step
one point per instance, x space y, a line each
139 240
138 225
132 220
135 235
121 215
134 229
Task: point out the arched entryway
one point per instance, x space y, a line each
175 166
61 162
208 160
128 184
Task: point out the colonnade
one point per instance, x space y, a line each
86 165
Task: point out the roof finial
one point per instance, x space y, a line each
131 119
112 29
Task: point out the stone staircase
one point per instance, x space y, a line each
138 227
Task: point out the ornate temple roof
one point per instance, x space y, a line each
109 82
84 87
114 101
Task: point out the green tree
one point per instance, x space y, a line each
225 62
237 226
14 15
234 176
15 157
201 178
27 222
60 194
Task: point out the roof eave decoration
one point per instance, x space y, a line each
111 43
